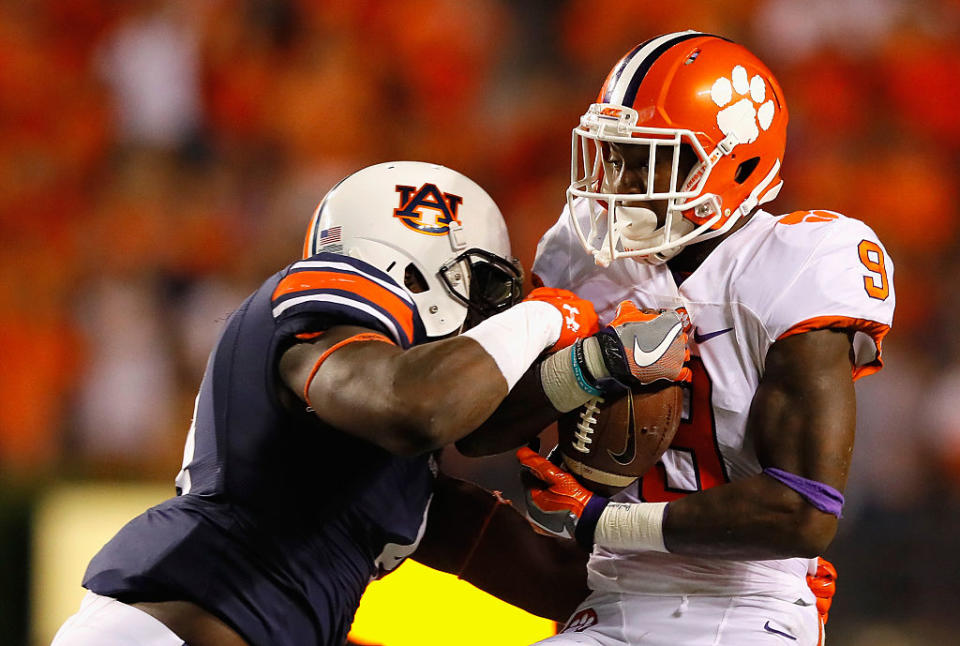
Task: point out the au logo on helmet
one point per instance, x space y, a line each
427 209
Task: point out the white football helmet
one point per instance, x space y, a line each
433 230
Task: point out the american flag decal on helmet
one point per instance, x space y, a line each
329 236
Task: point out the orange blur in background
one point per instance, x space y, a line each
159 158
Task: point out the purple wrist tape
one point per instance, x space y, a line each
822 496
588 521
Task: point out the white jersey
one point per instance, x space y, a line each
776 276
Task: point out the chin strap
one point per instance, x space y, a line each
755 199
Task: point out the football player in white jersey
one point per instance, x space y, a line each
670 166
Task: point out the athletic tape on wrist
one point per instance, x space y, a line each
593 359
560 382
516 337
570 376
632 526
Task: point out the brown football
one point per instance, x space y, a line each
609 444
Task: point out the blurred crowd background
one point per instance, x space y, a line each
160 158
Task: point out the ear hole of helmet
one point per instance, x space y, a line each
414 280
745 169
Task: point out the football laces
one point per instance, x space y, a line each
585 426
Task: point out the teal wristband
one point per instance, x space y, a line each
587 387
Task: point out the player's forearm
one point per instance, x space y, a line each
476 536
418 400
524 413
444 390
467 377
754 518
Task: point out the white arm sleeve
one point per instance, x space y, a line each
515 338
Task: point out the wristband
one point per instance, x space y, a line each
564 382
577 360
585 531
517 336
573 376
632 526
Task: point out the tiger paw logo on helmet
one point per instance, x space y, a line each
743 117
713 106
427 209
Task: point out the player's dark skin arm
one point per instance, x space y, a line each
407 401
524 413
802 421
505 558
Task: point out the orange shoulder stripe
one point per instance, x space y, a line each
808 216
357 284
876 331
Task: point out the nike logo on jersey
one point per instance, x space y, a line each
771 629
629 452
703 338
646 358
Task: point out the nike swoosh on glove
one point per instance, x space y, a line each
644 347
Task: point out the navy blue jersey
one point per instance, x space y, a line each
281 520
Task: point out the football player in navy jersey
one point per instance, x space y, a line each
309 467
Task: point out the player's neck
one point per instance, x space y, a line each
689 260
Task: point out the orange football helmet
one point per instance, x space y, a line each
681 89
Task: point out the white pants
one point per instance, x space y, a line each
102 621
612 619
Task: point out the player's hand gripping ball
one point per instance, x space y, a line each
579 317
644 346
613 439
556 503
608 443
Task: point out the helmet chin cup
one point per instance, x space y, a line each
620 231
636 225
639 231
